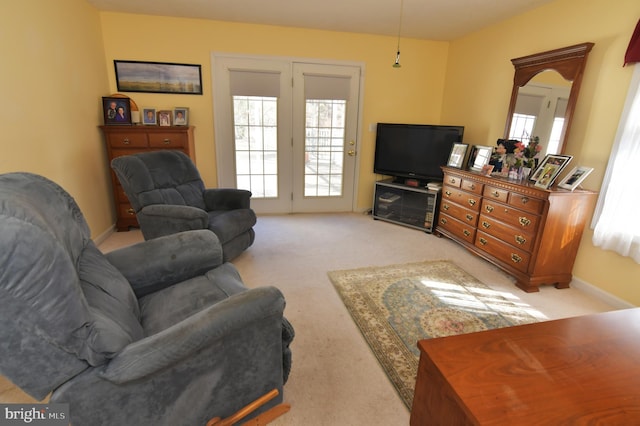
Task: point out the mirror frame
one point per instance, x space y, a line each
569 62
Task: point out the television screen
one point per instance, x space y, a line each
415 151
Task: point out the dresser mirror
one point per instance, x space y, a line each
544 95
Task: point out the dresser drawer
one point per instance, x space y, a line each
168 140
127 140
496 194
453 181
464 215
516 237
514 217
523 202
459 229
122 197
505 253
465 199
472 186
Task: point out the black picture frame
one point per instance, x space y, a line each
456 157
479 157
548 170
158 77
117 111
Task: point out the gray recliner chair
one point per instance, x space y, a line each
168 195
157 333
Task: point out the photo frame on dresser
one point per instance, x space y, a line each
479 157
149 117
180 116
456 157
164 118
575 177
117 111
549 169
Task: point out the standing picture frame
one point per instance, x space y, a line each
164 118
549 169
456 157
575 177
149 117
117 110
180 116
479 157
158 77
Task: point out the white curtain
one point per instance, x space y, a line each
617 218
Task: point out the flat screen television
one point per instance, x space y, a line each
414 151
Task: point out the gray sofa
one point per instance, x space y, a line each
159 333
168 196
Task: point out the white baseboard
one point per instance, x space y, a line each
100 238
607 298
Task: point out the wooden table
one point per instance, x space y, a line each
574 371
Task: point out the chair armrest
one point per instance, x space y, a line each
258 309
157 220
226 199
155 264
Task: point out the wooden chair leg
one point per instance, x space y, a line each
260 420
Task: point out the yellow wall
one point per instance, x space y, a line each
412 93
52 74
478 87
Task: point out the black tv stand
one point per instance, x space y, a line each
408 205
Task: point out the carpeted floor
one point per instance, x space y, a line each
395 306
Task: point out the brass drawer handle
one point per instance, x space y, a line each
445 207
520 239
443 221
524 221
486 225
131 211
466 233
524 200
469 217
488 208
126 141
452 180
515 258
166 141
495 193
448 193
472 202
483 241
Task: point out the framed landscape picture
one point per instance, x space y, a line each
158 77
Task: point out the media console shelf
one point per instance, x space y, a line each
416 207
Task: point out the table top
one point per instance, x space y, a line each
569 371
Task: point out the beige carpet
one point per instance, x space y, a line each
335 379
395 306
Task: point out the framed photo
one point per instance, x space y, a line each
479 157
164 118
180 116
456 157
158 77
547 172
487 170
575 177
149 116
117 111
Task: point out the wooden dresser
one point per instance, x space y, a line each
126 140
531 233
575 371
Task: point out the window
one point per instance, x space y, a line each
616 224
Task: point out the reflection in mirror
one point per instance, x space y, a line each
544 95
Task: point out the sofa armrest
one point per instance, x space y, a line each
157 220
259 310
155 264
227 199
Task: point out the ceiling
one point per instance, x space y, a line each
441 20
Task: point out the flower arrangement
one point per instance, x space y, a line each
525 154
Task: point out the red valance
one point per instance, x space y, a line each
633 51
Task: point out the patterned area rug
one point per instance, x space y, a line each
395 306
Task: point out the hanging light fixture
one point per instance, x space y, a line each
397 63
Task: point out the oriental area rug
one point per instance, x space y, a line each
395 306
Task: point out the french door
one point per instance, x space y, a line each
287 131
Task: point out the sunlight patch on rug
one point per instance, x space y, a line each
395 306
